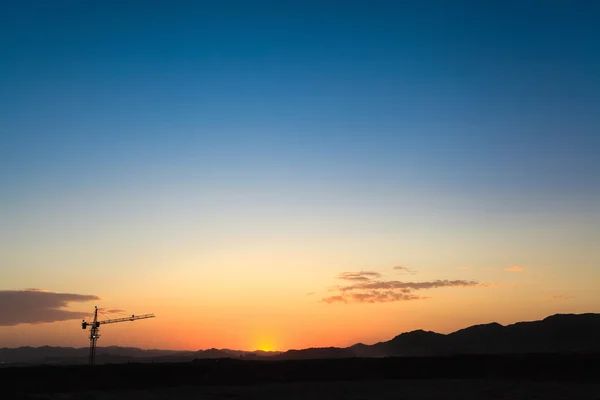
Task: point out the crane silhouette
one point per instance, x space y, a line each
95 329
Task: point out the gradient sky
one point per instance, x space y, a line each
224 165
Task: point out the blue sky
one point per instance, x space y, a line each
129 126
464 95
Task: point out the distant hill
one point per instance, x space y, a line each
70 355
561 333
115 354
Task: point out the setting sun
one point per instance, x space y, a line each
266 345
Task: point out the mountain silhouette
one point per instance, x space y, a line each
561 333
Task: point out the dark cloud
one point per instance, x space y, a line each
33 306
370 287
361 276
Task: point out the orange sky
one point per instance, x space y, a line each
273 318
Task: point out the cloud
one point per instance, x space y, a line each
376 296
34 306
111 310
516 268
407 286
561 297
335 299
369 287
359 276
310 293
464 267
404 269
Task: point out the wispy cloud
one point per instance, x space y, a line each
335 299
516 268
561 297
464 267
377 296
359 276
369 287
404 269
310 293
34 306
406 286
111 310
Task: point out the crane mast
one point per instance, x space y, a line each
95 329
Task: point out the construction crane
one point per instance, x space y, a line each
95 329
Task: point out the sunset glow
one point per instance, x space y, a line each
265 347
274 177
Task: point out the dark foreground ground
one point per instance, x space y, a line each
433 389
460 377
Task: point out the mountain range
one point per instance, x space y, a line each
561 333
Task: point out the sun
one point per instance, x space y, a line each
264 341
265 347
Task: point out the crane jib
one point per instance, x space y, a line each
95 328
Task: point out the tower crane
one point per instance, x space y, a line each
95 329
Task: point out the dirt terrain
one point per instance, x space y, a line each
381 389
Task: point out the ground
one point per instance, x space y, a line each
398 389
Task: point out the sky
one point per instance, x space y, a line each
277 175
